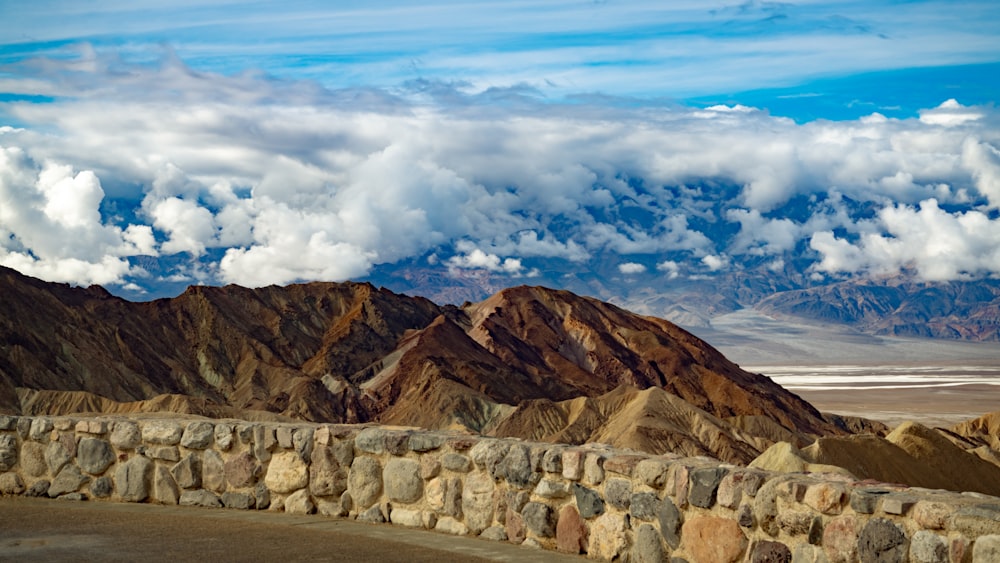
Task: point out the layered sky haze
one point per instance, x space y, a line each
149 145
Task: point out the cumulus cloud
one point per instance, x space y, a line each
259 181
631 268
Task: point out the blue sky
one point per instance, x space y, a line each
144 144
835 59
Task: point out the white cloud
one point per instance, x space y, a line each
288 181
631 268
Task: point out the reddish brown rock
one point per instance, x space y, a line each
840 539
571 531
708 539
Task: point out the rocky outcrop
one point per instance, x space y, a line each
352 353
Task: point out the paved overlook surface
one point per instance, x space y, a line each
45 530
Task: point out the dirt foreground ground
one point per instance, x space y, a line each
37 530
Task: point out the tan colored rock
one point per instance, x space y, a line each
287 472
827 498
709 539
608 537
931 515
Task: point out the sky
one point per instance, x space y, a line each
144 144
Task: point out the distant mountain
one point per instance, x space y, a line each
351 352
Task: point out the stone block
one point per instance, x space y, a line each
200 497
68 480
198 435
284 436
618 492
164 432
102 487
588 501
704 485
39 429
897 504
770 552
364 481
449 525
223 435
709 539
494 533
132 479
401 479
571 531
648 546
976 520
552 488
539 519
552 460
11 484
477 501
623 464
187 472
488 454
406 517
299 503
165 489
287 472
986 549
608 539
928 547
327 477
213 471
931 515
652 472
32 460
241 501
514 527
430 467
370 440
827 498
644 506
163 453
572 464
421 442
864 501
456 462
593 469
515 467
56 456
882 540
671 520
397 443
125 435
840 539
94 455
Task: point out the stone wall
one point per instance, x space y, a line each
608 504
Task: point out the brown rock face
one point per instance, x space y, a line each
528 360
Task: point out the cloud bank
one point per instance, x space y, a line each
251 180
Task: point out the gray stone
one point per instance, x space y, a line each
165 489
406 517
928 547
198 435
795 522
241 501
132 479
618 492
263 441
165 432
494 533
648 546
8 422
588 501
284 436
552 488
163 453
397 443
882 541
539 519
200 497
897 504
302 442
976 520
805 553
364 481
326 475
652 472
11 484
102 487
770 552
372 515
864 501
8 452
401 478
425 442
68 480
223 435
644 506
370 440
38 488
287 472
32 460
73 496
670 522
187 472
40 428
704 485
126 435
56 456
753 481
986 549
23 427
262 496
552 460
213 472
477 502
456 462
430 467
744 516
593 469
299 503
488 454
94 455
245 433
516 467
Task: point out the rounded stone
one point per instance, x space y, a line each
709 539
198 435
33 459
648 546
402 481
11 484
126 435
928 547
132 479
539 519
364 481
94 455
162 432
299 503
882 541
287 472
771 552
986 548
